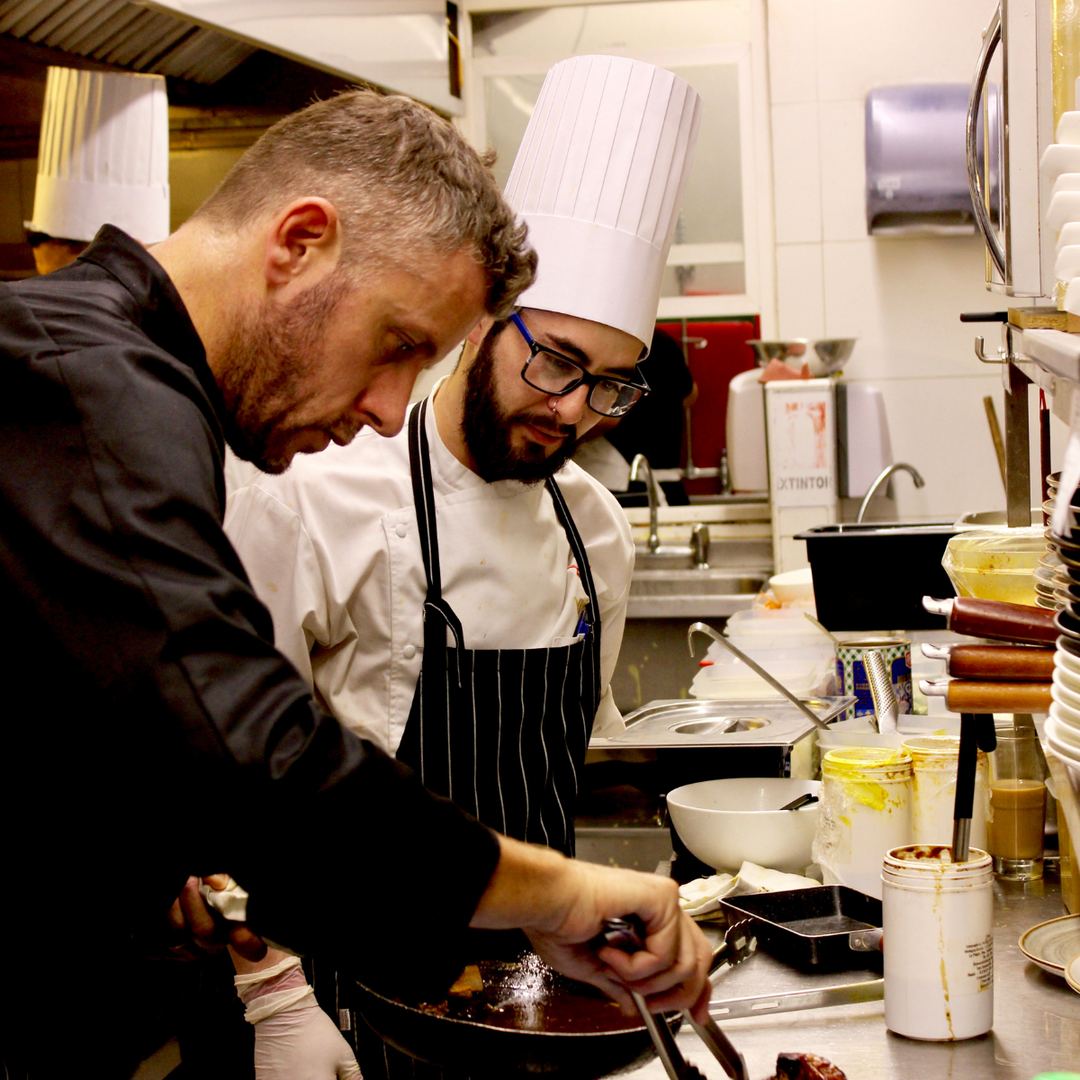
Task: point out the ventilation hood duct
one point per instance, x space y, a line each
408 46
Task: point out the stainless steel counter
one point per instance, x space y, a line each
1036 1016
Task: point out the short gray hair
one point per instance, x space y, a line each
403 180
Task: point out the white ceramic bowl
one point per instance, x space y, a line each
725 823
793 585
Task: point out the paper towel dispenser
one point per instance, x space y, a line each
916 168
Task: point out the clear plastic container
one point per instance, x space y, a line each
995 564
934 761
865 811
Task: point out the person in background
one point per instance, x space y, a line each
152 732
457 593
656 429
83 179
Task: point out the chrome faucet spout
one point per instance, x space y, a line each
638 465
883 477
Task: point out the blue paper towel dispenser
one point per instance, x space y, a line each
916 169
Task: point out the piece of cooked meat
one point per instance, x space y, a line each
469 982
806 1067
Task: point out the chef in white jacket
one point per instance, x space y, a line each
457 592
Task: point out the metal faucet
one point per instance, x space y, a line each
641 462
883 476
699 545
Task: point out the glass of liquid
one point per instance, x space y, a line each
1014 830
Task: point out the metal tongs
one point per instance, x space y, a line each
627 934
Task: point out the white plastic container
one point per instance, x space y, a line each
934 760
865 811
939 954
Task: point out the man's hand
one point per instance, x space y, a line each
196 931
562 904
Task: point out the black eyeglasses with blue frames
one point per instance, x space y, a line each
553 373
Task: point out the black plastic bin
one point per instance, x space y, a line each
873 576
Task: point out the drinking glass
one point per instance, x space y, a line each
1014 831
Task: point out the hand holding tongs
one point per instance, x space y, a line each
626 934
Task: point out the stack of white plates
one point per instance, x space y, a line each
1063 727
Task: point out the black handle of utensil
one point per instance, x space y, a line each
967 762
984 316
985 735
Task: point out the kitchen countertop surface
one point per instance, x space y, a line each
1036 1016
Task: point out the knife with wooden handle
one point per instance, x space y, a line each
996 663
996 619
965 696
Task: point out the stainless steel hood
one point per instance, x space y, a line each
403 45
127 35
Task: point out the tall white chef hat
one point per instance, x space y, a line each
103 156
599 180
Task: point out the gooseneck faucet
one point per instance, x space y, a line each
883 476
641 464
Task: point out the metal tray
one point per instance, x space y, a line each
722 722
818 929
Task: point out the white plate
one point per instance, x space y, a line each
1063 750
1067 700
1072 973
1066 732
1051 945
1062 744
1064 658
1067 721
1068 679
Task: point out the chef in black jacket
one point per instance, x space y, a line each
150 729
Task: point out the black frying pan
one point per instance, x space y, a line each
536 1024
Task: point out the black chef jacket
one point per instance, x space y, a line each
150 729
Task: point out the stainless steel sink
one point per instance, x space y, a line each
695 583
666 583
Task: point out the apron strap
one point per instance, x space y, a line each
562 511
424 501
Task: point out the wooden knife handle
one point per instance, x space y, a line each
985 697
1008 663
1003 622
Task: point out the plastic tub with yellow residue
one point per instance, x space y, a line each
865 811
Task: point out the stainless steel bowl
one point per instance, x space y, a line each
834 352
778 350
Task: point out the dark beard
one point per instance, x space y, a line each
270 356
487 428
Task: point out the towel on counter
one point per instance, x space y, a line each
703 896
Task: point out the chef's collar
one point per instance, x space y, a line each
162 315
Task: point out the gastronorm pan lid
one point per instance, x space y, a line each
722 722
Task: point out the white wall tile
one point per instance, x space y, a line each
902 299
866 43
939 426
796 173
792 50
799 291
842 141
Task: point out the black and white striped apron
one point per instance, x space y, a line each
502 732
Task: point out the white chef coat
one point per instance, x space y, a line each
332 549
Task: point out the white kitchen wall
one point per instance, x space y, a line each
900 296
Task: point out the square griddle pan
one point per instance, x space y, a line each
816 929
